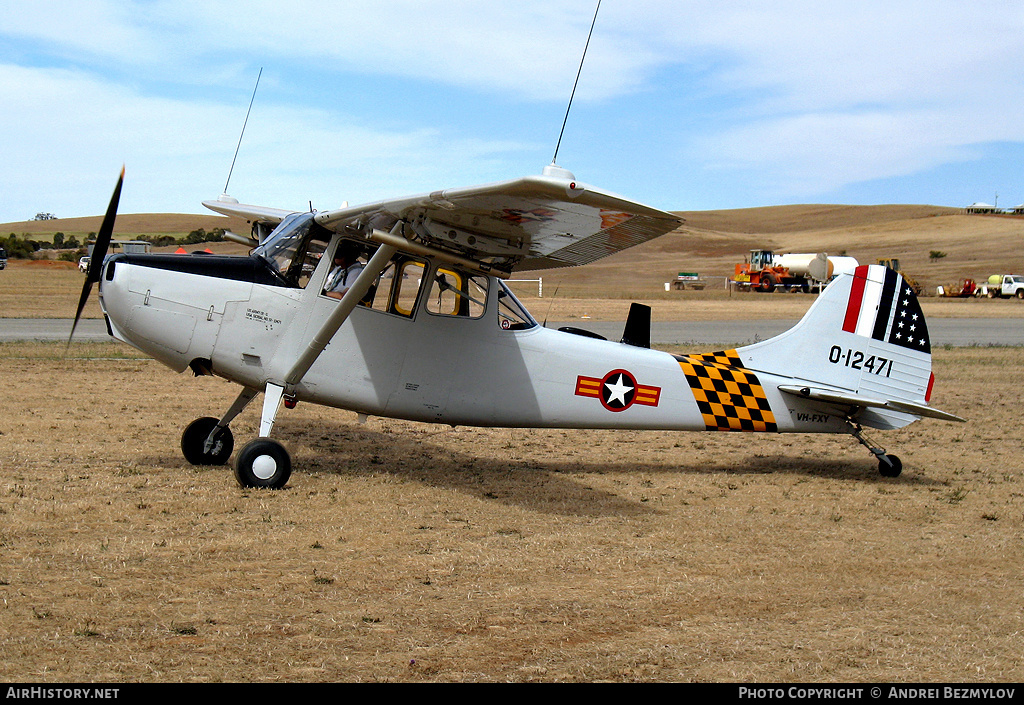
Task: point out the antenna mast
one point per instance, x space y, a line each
578 72
239 145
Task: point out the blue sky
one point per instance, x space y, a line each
681 105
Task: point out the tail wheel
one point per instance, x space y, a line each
193 443
890 466
263 463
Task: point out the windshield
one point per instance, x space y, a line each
283 244
294 247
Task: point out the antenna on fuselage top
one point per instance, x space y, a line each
246 122
583 58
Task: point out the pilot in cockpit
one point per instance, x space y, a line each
345 271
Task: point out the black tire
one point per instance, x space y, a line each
1020 293
194 439
891 469
767 284
263 463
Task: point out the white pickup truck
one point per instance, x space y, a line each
1002 286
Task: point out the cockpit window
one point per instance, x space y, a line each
294 247
512 315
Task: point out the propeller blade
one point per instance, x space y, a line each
99 251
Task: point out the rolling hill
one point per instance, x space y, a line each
712 242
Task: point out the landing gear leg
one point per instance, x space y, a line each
207 441
264 462
888 465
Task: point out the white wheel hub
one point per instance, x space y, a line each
264 467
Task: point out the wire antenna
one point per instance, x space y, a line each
554 159
239 145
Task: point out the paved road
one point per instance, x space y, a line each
15 329
958 332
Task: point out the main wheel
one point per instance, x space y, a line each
193 443
263 463
893 468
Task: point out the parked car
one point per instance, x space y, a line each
83 264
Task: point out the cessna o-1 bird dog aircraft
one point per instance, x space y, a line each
428 331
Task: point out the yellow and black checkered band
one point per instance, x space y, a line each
730 398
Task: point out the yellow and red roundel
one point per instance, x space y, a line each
617 390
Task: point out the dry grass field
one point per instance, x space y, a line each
409 552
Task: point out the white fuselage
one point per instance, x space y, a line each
448 369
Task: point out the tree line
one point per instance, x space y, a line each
23 247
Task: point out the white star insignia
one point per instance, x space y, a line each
618 391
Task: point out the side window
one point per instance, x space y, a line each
454 293
405 288
512 315
396 289
380 292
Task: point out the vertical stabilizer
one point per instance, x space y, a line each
864 337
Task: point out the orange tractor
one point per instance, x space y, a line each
766 271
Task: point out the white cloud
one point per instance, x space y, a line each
822 96
793 97
818 153
74 131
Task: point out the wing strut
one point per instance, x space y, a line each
373 269
274 393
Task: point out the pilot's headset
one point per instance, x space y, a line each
347 250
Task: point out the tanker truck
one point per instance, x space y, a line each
766 271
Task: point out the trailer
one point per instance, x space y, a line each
688 279
963 289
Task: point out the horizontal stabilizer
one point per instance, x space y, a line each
835 397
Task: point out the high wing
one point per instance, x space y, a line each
536 222
229 206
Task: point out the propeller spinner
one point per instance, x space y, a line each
99 251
